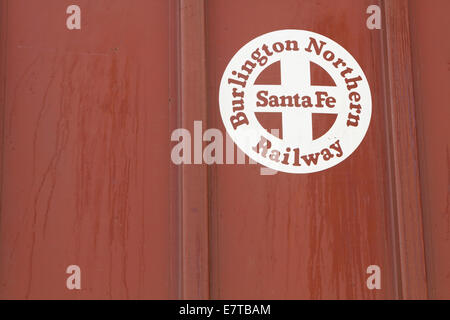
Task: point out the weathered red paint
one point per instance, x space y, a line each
302 236
87 179
429 26
85 151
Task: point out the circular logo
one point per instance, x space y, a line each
244 97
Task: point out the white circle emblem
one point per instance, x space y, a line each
297 100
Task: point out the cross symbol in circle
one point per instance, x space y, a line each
295 79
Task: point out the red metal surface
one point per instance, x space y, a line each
86 152
407 206
302 236
87 178
193 180
431 69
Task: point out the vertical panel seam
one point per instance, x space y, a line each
405 179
